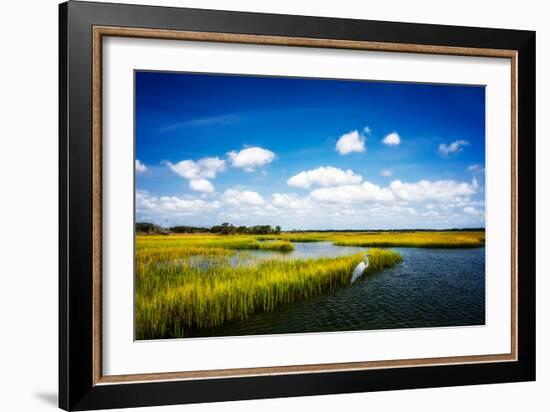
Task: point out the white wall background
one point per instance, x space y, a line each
28 203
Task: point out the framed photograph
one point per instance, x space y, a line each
257 205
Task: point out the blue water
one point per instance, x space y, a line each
305 250
430 288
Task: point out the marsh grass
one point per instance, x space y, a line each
423 239
446 240
174 298
178 246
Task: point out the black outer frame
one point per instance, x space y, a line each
76 388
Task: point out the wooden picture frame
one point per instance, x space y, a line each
82 385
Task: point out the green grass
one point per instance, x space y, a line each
176 297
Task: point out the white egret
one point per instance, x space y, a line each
359 269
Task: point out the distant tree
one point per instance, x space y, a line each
227 228
189 229
146 227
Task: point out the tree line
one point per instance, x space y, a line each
223 229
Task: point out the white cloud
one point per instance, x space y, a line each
391 211
360 206
392 139
172 206
197 172
367 130
438 190
144 200
140 167
206 167
251 158
352 193
476 168
235 197
191 206
210 166
324 176
186 168
201 185
454 147
424 190
350 142
290 201
386 173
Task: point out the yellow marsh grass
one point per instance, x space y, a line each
451 239
176 297
195 244
160 248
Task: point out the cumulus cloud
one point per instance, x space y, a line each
197 172
324 176
186 168
439 190
236 197
350 142
201 185
391 210
386 173
392 139
250 158
352 193
290 201
171 205
144 201
206 168
190 206
424 190
140 167
210 166
454 147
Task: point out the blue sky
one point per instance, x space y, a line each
308 153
